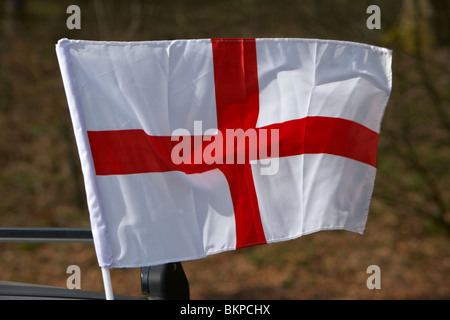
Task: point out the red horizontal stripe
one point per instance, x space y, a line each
134 151
336 136
129 151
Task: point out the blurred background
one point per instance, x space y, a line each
408 229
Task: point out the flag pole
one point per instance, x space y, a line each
107 283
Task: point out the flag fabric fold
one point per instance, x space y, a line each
195 147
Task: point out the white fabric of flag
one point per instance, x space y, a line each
307 113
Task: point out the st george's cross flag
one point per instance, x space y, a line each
195 147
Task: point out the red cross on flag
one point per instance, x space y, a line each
195 147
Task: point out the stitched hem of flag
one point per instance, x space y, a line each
99 228
304 40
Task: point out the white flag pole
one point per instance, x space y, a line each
107 283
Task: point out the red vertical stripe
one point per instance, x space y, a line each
237 102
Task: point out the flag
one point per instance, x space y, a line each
194 147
